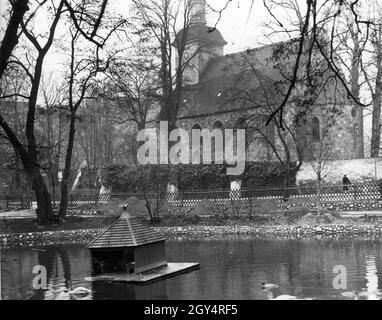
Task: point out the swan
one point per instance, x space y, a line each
269 287
355 295
80 292
352 294
281 297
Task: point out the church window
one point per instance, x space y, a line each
196 126
316 129
270 132
241 123
355 135
217 125
197 155
354 112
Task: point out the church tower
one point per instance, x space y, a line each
197 10
202 43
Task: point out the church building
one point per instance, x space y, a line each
240 91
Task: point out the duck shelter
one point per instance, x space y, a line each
128 246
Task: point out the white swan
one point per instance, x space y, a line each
355 295
281 297
352 295
80 292
269 287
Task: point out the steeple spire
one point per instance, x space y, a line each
198 11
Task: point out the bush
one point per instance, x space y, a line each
194 177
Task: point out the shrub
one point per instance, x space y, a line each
194 177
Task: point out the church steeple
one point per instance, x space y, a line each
198 11
202 43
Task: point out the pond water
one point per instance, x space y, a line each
230 269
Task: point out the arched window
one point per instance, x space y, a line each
316 135
218 125
216 153
355 135
354 112
196 126
197 155
241 123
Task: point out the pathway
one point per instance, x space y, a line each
19 214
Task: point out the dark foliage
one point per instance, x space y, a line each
194 177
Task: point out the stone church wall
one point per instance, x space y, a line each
341 142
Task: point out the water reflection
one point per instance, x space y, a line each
230 269
373 293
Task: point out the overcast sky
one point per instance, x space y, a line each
239 28
237 31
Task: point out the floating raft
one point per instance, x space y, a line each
171 270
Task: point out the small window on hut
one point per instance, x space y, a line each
316 129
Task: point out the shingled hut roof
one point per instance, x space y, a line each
126 232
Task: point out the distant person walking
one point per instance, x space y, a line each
345 183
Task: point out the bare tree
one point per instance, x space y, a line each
29 151
321 152
82 76
52 124
372 71
163 18
133 88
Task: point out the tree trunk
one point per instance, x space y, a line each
319 180
376 126
10 40
66 174
45 214
377 96
286 163
355 83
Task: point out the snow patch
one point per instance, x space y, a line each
357 170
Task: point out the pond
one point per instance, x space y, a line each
230 269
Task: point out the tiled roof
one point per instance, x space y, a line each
256 73
126 232
228 93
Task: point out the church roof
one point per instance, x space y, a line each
202 33
245 80
227 94
126 232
